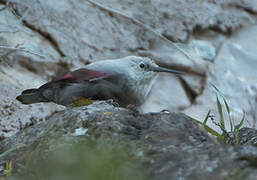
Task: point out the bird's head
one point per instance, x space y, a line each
145 68
142 71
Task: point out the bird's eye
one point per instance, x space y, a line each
142 65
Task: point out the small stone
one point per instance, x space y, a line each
204 49
80 131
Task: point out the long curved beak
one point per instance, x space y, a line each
161 69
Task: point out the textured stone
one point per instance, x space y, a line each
166 94
204 49
234 74
167 145
101 31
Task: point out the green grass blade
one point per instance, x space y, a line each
229 115
211 131
222 124
215 88
195 120
237 127
10 150
207 128
227 106
206 117
231 125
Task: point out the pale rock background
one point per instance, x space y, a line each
220 37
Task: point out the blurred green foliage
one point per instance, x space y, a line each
83 161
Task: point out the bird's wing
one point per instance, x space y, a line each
84 74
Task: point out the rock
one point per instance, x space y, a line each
97 31
248 5
176 19
14 116
165 145
248 136
29 65
195 84
14 34
166 94
78 35
168 146
204 49
234 74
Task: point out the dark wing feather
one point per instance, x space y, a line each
50 89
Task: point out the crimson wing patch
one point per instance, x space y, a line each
84 74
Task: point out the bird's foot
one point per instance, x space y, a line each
112 102
81 101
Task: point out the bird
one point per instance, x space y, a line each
126 81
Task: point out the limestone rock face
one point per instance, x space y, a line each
53 37
211 41
234 73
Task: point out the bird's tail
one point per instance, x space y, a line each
31 96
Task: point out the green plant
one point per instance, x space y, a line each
82 159
234 128
8 170
8 164
11 150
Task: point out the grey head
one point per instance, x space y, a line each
138 74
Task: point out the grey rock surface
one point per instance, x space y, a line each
159 100
50 37
89 23
70 34
14 116
168 145
20 70
204 49
234 73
